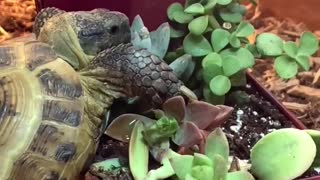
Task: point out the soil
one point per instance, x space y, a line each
250 121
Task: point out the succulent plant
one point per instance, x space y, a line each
290 57
283 154
215 35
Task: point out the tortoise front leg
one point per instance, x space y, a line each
142 73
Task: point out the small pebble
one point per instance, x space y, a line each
261 134
255 113
263 119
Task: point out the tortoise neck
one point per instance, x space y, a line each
100 90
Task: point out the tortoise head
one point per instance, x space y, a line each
80 35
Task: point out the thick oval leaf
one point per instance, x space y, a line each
220 167
183 66
210 5
309 44
196 45
230 65
160 39
237 8
217 144
138 152
182 17
182 165
120 128
173 8
210 71
230 16
244 56
212 58
219 39
220 85
234 41
213 22
269 44
198 25
315 135
281 150
304 62
286 67
290 48
174 33
244 29
202 172
195 8
201 160
224 2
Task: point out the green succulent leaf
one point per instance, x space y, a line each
239 175
202 172
280 150
160 39
231 17
253 49
286 67
244 29
269 44
210 71
237 8
182 165
182 17
315 135
174 33
201 160
220 167
198 25
138 152
196 45
308 45
173 8
212 98
108 165
243 55
213 22
234 41
304 62
195 8
217 144
140 34
220 85
212 58
219 39
183 67
190 2
224 2
230 65
160 131
290 48
210 5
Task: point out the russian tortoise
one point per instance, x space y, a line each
54 90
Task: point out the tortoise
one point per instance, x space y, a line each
56 87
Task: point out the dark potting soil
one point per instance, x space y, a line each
250 121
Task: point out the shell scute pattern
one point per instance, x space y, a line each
41 114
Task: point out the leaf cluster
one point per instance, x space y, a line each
216 38
290 57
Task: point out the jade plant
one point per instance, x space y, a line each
290 57
285 154
215 36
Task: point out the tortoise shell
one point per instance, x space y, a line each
42 123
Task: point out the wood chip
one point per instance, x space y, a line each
302 108
305 92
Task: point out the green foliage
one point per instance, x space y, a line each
205 39
289 57
282 150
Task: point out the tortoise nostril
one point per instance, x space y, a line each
114 30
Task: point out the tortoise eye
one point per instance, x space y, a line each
113 29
